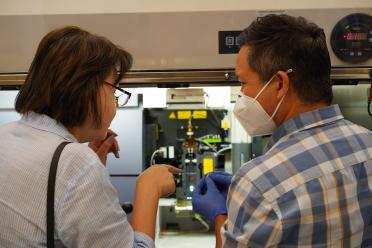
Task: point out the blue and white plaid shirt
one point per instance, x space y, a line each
312 188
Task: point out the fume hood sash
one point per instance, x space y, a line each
186 78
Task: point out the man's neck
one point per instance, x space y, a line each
298 108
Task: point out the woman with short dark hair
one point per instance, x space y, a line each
69 95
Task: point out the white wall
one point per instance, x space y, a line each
39 7
7 112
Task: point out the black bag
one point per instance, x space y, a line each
50 194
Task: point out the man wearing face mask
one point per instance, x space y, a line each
313 185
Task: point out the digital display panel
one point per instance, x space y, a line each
351 38
355 36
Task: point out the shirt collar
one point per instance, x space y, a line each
305 121
48 124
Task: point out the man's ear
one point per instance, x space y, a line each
282 84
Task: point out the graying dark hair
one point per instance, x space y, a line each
281 42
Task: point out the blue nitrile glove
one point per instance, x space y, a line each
222 181
207 200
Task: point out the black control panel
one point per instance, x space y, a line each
351 38
228 42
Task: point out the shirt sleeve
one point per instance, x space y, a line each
252 220
88 213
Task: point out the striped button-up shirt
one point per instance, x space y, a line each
87 209
312 188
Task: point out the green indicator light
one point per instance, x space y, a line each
347 26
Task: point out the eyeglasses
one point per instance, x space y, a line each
121 96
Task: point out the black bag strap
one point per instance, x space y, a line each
50 194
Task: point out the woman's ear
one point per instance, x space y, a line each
282 84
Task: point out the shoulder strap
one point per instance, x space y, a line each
50 194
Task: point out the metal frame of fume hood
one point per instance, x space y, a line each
189 78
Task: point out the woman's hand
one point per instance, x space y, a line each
155 182
104 147
159 177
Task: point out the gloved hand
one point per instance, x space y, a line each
207 200
222 181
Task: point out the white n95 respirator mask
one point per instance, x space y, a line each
252 116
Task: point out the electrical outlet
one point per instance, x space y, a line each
163 151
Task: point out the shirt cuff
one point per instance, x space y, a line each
142 240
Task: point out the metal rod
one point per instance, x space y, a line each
185 78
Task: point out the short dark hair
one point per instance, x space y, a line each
281 42
66 74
